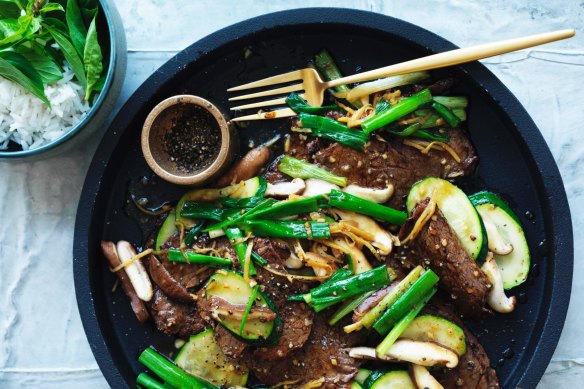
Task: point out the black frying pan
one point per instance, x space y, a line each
515 161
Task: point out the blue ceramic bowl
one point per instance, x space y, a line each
97 116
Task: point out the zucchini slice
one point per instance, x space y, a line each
396 379
504 230
459 212
231 287
437 329
167 229
202 357
362 375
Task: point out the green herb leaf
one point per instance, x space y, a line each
92 59
77 30
88 10
56 23
9 10
70 54
43 63
50 7
8 27
24 23
12 73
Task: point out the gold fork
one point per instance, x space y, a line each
311 87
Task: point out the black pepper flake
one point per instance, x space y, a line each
194 139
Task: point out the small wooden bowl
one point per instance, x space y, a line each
160 122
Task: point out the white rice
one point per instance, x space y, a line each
26 120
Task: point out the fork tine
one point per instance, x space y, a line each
280 113
266 103
270 92
286 77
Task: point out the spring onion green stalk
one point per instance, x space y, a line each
397 111
375 313
328 69
300 229
239 217
349 202
192 234
171 373
196 258
432 135
258 259
381 106
250 302
145 381
401 325
198 210
331 129
291 207
248 202
299 105
408 131
348 306
405 303
382 84
239 246
445 112
336 291
452 102
297 168
340 274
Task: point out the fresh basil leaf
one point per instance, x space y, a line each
56 23
70 54
88 10
12 73
92 59
21 4
50 7
24 23
9 27
42 62
9 10
77 30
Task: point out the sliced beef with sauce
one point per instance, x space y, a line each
474 368
297 320
383 161
325 355
436 246
173 317
231 346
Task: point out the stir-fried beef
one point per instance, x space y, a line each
188 275
166 282
173 317
437 247
231 346
383 162
474 368
324 355
297 320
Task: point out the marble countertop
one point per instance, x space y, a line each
42 342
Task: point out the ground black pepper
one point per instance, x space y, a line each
194 139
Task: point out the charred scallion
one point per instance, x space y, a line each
299 105
196 258
349 202
300 229
239 246
446 114
198 210
397 111
331 129
290 207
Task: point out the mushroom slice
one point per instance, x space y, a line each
315 187
360 263
376 195
293 262
405 350
496 242
383 240
497 299
423 378
135 271
285 189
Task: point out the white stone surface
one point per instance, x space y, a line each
42 343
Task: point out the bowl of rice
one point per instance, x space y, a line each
86 45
